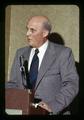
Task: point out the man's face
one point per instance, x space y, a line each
35 33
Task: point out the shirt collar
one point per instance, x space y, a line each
43 47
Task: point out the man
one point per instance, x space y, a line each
57 80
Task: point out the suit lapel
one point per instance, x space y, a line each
48 59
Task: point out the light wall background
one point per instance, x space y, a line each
64 19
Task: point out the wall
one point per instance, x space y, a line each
7 37
64 18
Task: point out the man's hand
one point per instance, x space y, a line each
44 106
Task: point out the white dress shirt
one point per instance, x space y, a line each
41 53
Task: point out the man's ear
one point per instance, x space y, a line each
45 33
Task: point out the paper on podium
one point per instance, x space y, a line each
13 112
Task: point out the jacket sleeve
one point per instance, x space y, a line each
13 80
70 80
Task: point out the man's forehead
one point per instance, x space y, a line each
34 24
37 20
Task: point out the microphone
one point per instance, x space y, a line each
28 84
22 69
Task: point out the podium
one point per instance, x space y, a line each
19 99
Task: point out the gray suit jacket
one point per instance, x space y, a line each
57 82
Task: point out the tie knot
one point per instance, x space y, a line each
36 51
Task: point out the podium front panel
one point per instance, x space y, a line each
21 100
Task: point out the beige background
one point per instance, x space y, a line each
64 19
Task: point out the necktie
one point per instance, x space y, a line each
34 69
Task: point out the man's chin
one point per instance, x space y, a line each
30 45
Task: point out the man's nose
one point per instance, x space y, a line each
28 33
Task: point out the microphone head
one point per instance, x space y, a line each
22 63
21 60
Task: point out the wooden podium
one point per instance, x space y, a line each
19 99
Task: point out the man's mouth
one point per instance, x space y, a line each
28 39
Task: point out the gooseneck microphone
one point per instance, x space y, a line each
24 72
22 69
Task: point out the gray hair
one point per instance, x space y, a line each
47 25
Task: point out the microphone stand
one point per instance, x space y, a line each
22 69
